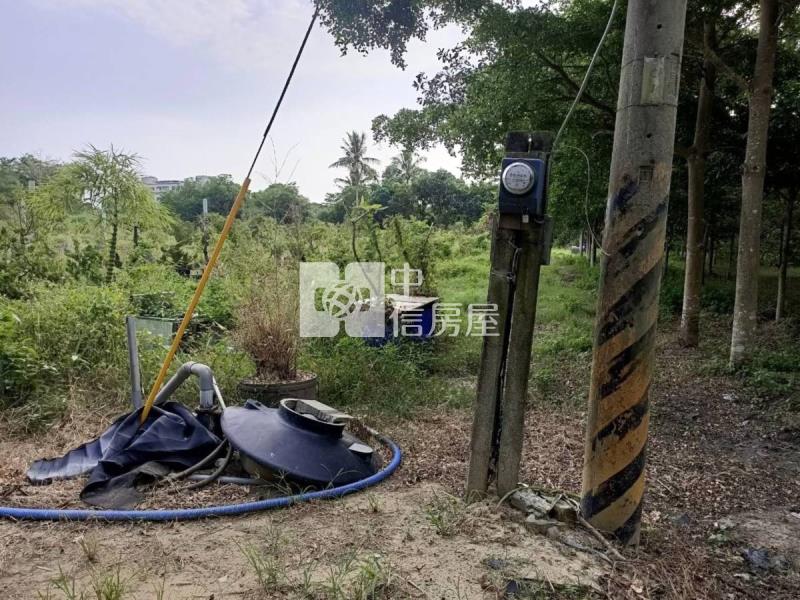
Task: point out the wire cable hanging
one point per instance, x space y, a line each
588 74
597 243
212 261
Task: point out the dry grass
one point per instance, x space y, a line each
267 325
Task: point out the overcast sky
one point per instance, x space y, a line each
188 84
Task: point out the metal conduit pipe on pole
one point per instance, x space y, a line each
631 268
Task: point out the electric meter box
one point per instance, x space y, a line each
523 184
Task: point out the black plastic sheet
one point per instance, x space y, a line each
128 454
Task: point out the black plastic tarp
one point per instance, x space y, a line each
128 454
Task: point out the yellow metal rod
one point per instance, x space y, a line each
198 292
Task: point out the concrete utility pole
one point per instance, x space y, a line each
521 238
631 267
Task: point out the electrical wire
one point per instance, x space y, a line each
215 473
209 268
197 466
586 198
568 116
251 481
283 91
588 74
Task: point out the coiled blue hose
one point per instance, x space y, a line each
188 514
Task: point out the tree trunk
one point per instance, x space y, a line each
583 242
695 226
205 241
135 236
373 236
112 254
712 253
731 256
592 250
753 172
786 241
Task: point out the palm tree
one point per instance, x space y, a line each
406 166
357 163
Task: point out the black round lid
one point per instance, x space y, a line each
303 440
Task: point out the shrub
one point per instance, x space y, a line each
216 305
75 329
267 326
156 290
229 365
62 336
85 263
21 370
412 240
390 378
718 297
672 293
20 265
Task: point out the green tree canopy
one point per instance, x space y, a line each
186 201
109 181
445 199
281 201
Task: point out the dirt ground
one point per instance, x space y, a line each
208 559
721 519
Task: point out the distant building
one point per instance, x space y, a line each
161 186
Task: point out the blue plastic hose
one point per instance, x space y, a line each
188 514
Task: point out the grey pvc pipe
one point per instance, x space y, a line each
205 379
137 396
229 479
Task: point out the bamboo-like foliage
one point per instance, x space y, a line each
109 181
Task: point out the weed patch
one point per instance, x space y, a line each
446 514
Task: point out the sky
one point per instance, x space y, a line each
189 84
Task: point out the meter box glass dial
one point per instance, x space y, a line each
522 186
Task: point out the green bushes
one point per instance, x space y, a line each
75 329
156 290
69 339
84 263
75 335
671 301
717 295
21 369
775 372
21 266
61 337
356 376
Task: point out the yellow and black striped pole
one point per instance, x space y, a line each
631 268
